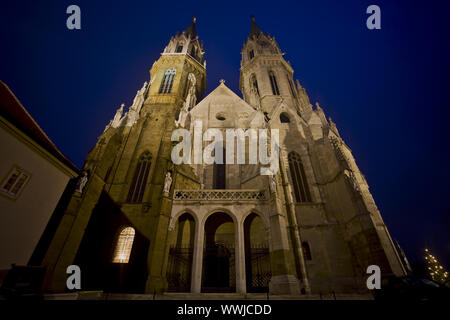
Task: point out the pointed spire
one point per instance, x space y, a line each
255 30
191 30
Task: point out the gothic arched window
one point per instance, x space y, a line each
167 82
301 189
306 251
274 84
251 54
254 83
123 246
284 118
140 178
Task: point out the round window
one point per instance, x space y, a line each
220 116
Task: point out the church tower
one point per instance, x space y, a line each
139 223
266 78
327 199
127 168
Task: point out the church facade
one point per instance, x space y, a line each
139 223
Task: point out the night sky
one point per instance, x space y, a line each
387 90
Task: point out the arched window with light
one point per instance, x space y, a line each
124 245
273 83
167 82
301 188
137 187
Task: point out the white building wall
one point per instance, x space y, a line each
25 218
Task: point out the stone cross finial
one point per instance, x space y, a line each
222 81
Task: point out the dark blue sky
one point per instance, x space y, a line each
387 90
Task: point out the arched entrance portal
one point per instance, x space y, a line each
257 258
219 273
179 267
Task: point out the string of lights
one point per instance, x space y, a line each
435 269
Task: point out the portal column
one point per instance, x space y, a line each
197 261
240 258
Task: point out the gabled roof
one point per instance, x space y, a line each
224 96
13 111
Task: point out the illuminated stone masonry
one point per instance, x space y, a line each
143 224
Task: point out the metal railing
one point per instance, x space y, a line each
222 195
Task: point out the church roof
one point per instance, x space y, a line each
255 30
222 100
14 112
222 95
191 30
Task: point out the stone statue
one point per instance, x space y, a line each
133 112
135 109
181 121
144 87
273 184
188 103
82 182
191 98
115 122
167 183
254 93
139 98
132 117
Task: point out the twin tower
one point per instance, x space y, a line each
142 224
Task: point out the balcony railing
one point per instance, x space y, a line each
219 195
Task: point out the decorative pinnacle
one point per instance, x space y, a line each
253 18
194 19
